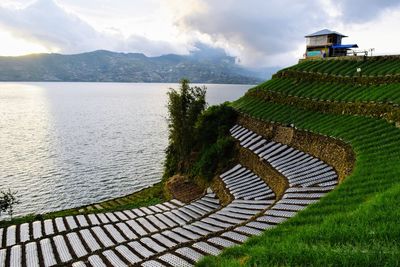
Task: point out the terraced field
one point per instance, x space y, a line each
335 91
371 66
355 224
321 222
172 233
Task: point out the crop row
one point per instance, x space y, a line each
385 93
357 223
370 66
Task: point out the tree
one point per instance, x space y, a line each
213 141
184 107
7 202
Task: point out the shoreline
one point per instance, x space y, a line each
150 195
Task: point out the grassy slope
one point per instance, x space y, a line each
146 197
373 66
357 224
385 93
338 91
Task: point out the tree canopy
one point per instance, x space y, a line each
184 107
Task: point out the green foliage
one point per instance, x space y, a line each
214 123
334 91
198 143
146 197
106 66
214 157
313 88
370 66
354 225
7 202
171 162
184 107
212 140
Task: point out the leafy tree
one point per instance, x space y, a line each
213 141
214 123
213 158
7 202
184 107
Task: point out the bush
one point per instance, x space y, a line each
198 143
214 123
7 202
214 158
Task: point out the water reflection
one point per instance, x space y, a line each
26 160
70 144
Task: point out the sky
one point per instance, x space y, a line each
258 33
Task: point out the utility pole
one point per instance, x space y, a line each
371 50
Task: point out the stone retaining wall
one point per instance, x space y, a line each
389 112
332 151
276 181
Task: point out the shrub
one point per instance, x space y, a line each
214 158
214 123
7 202
198 143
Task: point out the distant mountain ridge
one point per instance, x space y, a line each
107 66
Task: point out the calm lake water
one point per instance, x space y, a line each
64 145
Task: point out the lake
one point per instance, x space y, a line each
64 145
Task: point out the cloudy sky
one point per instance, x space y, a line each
260 33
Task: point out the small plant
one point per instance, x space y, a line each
7 202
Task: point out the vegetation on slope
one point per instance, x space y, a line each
370 66
370 87
146 197
373 96
106 66
199 143
184 107
7 202
317 90
354 225
357 223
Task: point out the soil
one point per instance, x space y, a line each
181 188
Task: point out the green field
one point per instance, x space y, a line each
372 66
382 93
357 224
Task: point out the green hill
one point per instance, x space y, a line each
370 66
357 224
106 66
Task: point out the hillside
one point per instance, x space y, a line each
312 180
106 66
356 224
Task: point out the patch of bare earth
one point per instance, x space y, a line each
183 189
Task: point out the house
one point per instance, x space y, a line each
326 43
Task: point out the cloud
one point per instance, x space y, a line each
47 23
148 47
361 11
266 32
258 32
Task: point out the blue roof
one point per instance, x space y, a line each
346 46
324 32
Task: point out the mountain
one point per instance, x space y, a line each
105 66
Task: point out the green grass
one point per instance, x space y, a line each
384 93
372 66
357 224
146 197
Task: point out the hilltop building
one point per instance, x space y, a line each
326 43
